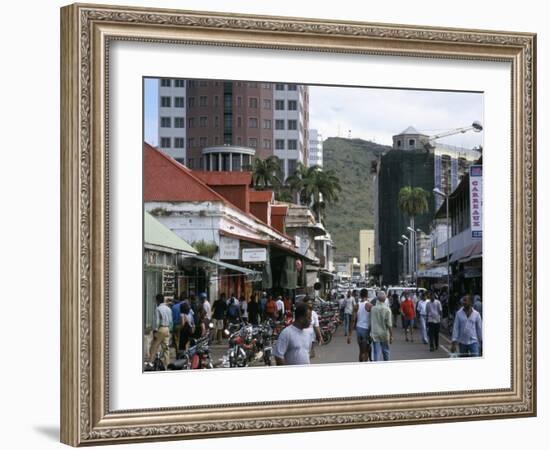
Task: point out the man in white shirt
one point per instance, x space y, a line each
314 328
280 308
161 330
467 330
294 342
206 306
349 306
422 316
361 326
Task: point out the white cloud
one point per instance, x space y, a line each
378 114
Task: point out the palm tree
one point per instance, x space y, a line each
296 181
321 188
266 173
413 202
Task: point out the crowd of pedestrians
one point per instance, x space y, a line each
372 320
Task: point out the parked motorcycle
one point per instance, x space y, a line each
155 365
249 343
197 356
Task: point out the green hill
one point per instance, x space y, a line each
351 159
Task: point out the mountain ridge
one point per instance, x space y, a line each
352 160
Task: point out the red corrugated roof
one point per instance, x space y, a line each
261 196
164 179
279 210
224 178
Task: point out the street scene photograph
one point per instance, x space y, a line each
289 224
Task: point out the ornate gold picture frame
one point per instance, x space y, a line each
87 32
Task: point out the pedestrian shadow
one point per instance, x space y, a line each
50 432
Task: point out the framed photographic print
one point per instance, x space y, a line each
289 206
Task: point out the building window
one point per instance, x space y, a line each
227 139
227 99
165 102
267 103
267 144
279 144
239 141
216 121
191 102
165 142
253 142
179 142
411 142
266 85
239 84
227 123
203 141
203 83
279 105
282 166
279 87
239 102
190 142
279 124
399 143
180 160
165 122
190 163
292 166
216 100
252 85
179 122
252 122
166 82
216 140
253 102
292 144
236 162
191 122
192 83
267 124
201 163
292 124
239 122
203 121
225 162
203 100
179 102
179 83
291 87
292 105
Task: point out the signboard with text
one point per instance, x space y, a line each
229 248
254 255
476 201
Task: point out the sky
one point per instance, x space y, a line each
371 114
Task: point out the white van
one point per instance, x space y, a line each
400 289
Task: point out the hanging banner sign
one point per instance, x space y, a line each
229 248
254 255
476 201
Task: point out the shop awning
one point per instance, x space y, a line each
249 272
433 272
158 237
467 253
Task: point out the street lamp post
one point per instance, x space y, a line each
442 194
409 251
404 257
412 234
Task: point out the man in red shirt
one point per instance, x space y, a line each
407 311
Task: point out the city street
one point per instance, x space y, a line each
339 351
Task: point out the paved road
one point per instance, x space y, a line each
340 351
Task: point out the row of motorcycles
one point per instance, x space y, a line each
247 343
